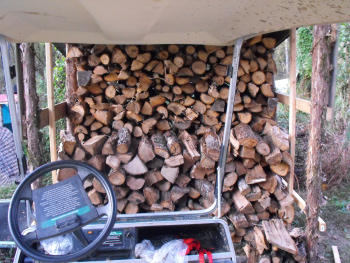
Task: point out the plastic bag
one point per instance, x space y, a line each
171 252
57 246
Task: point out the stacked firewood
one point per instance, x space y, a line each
152 118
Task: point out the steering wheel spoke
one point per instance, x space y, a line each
29 238
81 237
83 172
104 210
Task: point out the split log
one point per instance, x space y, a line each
94 145
135 166
170 173
190 145
135 183
145 150
256 175
159 145
277 235
241 203
151 195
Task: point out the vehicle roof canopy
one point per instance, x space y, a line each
218 22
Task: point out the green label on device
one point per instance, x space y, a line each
79 212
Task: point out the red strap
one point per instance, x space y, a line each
193 244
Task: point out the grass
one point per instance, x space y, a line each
7 191
7 255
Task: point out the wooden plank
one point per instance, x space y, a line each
51 107
322 226
336 254
292 104
60 112
302 105
277 235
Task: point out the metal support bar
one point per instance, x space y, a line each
228 121
20 87
12 105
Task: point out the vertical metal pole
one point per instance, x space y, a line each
51 106
12 105
20 87
228 120
292 104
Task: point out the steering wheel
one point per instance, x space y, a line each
54 215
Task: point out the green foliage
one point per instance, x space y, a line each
7 191
340 204
59 80
304 45
342 101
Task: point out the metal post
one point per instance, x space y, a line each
12 105
228 121
20 88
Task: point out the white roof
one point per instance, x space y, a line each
215 22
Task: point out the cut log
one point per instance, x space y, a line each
145 150
245 135
68 142
255 194
199 67
256 175
270 183
182 180
243 187
117 177
109 146
188 161
212 142
151 195
241 203
177 193
113 161
205 161
172 143
135 183
258 77
174 161
94 145
153 177
131 208
197 171
135 166
170 173
121 191
190 145
95 197
124 140
246 152
159 144
163 185
230 179
136 197
206 189
281 169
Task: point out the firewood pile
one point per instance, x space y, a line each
152 119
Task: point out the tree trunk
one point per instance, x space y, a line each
72 86
319 96
35 157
